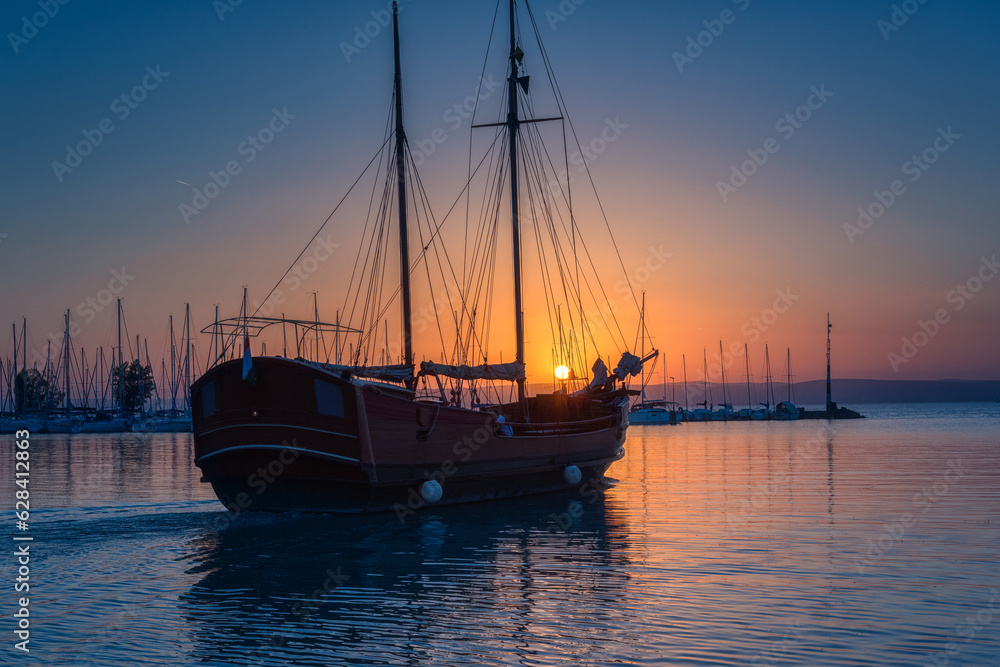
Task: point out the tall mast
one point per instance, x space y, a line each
121 382
789 385
769 389
145 347
138 379
173 368
187 356
746 356
642 347
13 326
665 380
104 384
685 367
707 389
316 315
722 361
829 394
85 384
66 363
218 332
47 375
404 250
512 126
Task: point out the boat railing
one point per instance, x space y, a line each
552 428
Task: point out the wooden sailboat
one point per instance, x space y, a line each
273 433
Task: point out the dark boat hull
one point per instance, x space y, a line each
302 438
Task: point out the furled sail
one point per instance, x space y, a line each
512 371
629 365
391 373
600 373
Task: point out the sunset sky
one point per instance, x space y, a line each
745 136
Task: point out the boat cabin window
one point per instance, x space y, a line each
329 400
208 399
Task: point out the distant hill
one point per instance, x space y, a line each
845 392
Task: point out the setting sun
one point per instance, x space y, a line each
562 373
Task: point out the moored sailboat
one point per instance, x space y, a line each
786 410
651 411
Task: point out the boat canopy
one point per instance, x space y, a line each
512 371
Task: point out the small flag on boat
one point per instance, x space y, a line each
249 374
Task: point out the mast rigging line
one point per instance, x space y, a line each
536 154
560 101
472 121
369 220
435 227
438 225
314 236
536 160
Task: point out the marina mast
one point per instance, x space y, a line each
830 405
512 126
69 408
404 250
121 379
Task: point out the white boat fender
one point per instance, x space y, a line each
572 475
431 491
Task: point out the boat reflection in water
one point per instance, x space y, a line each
542 575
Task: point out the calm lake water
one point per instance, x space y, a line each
872 542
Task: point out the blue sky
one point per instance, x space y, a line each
224 74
